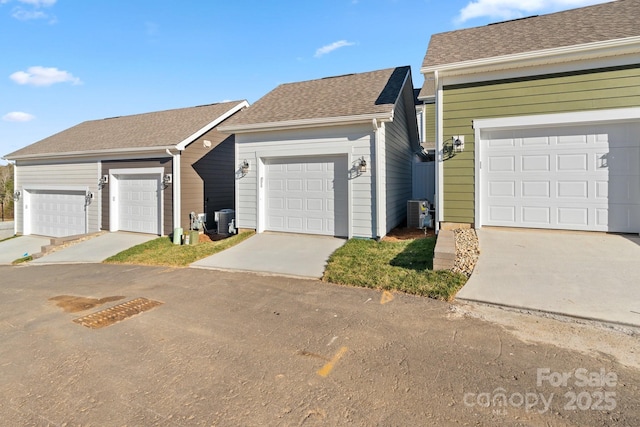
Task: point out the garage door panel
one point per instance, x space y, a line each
582 178
306 203
57 213
139 203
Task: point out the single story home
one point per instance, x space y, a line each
142 173
537 121
331 156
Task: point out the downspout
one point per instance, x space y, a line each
378 187
439 178
176 188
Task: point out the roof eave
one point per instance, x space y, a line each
90 153
563 54
307 123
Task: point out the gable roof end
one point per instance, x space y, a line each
341 99
599 23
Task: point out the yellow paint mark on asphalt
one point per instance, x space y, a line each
328 367
386 297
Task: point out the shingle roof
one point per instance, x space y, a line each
158 129
607 21
340 96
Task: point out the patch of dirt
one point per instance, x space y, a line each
405 233
212 237
73 304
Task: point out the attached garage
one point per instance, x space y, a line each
136 200
307 195
55 213
575 176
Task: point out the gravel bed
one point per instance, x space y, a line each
467 251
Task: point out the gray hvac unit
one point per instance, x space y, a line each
419 214
225 220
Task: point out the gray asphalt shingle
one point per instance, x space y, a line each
157 129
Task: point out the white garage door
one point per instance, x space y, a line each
574 178
307 195
57 213
139 203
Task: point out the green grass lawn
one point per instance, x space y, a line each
404 266
162 251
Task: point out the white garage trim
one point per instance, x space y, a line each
483 128
114 203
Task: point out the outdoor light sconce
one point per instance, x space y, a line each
244 167
167 179
458 144
362 165
16 196
103 181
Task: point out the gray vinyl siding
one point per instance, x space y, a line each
165 163
357 141
36 175
397 164
208 176
609 88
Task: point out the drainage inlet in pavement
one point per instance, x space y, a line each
116 313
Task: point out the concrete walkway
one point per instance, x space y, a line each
18 247
272 253
593 276
96 249
6 229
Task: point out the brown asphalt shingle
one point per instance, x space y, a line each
158 129
348 95
607 21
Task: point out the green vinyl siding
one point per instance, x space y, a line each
555 93
430 123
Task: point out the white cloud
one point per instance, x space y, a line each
41 76
331 47
26 15
511 9
32 10
39 3
18 116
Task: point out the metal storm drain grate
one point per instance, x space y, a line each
117 313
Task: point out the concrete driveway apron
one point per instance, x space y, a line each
276 253
592 276
18 247
96 249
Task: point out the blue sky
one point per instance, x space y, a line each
67 61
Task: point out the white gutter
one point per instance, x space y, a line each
45 156
176 189
626 45
303 123
183 144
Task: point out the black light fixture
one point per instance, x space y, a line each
362 165
16 196
244 167
103 181
167 179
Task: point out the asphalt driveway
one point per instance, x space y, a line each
234 349
593 276
294 255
